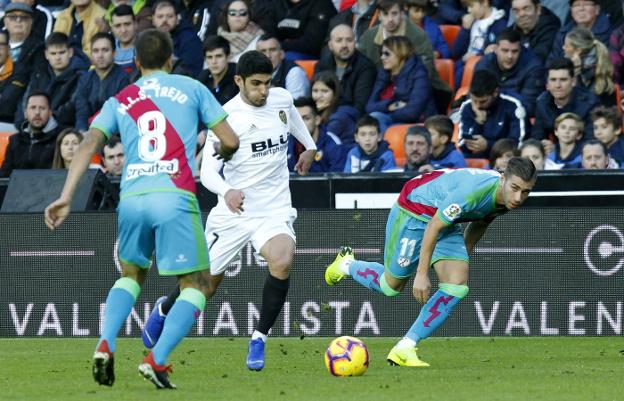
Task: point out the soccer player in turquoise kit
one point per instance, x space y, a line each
158 118
423 232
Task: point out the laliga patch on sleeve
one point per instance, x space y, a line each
452 211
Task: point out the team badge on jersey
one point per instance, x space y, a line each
452 211
282 116
403 262
318 156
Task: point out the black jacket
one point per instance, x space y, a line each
363 23
526 78
541 38
11 91
358 79
300 27
61 90
581 103
227 88
26 152
92 92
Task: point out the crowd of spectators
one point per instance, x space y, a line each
543 77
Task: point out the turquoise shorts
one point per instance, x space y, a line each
168 223
404 234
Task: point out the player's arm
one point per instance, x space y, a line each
211 179
422 285
58 210
228 140
300 131
473 233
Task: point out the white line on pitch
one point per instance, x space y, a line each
518 250
51 253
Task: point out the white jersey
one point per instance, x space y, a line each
259 167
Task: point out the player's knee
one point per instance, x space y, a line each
457 290
280 266
386 288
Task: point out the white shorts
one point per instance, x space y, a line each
227 235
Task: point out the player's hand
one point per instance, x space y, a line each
234 200
422 285
305 162
218 152
56 212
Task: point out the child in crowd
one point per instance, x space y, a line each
417 11
533 150
607 123
444 152
370 154
502 150
569 131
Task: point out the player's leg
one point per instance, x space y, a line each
181 250
225 237
403 234
450 261
278 252
136 245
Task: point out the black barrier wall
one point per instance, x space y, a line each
536 272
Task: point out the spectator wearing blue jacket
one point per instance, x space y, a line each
417 11
562 95
479 29
188 53
100 83
330 154
518 70
402 91
489 115
444 153
371 153
585 14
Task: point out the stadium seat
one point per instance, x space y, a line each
4 142
450 32
461 92
308 66
477 163
469 67
618 97
446 70
394 135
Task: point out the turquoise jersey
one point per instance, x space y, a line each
158 118
454 195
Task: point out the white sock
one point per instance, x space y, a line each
256 334
344 266
406 342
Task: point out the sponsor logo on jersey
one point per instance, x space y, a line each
282 116
181 259
270 146
136 170
452 211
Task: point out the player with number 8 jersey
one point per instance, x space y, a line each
158 213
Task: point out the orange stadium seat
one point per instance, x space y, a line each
394 136
469 67
450 33
4 142
308 66
446 70
477 163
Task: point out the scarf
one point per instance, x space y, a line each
240 40
7 69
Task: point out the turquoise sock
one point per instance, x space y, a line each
437 309
119 303
178 323
367 274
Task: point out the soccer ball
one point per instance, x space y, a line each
346 356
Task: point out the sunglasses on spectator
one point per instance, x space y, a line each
17 18
240 13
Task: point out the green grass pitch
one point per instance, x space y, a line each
480 369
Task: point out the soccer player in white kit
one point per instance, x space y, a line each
254 198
